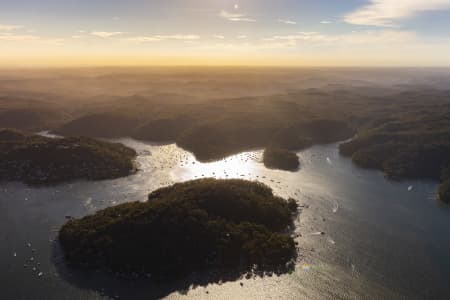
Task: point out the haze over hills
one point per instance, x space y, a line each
217 112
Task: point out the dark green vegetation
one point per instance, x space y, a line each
444 191
218 139
301 135
29 119
401 116
411 145
215 137
276 158
99 125
201 224
35 159
162 130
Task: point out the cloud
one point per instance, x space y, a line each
18 37
241 37
218 36
4 27
325 22
298 36
142 39
244 47
179 37
380 47
286 21
379 37
106 34
158 38
9 37
235 17
386 12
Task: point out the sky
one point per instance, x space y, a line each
225 32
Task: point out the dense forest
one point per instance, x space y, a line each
400 118
216 138
189 226
35 159
415 145
444 191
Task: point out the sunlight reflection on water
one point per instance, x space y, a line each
350 244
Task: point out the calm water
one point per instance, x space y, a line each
383 239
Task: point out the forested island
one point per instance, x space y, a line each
35 159
191 226
277 158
